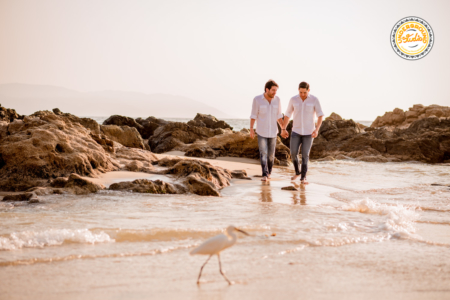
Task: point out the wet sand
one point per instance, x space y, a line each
312 256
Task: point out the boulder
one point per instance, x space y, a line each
20 197
79 185
57 111
148 186
197 176
240 174
333 117
45 146
289 188
398 118
123 121
235 144
394 118
8 115
426 140
149 126
175 136
210 121
125 135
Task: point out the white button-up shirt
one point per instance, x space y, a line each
266 115
304 111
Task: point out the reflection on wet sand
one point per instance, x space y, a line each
300 196
266 192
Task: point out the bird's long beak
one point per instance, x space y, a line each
240 230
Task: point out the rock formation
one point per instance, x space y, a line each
125 135
426 140
235 144
399 118
175 136
148 186
202 120
45 146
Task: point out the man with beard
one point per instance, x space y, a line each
266 111
304 108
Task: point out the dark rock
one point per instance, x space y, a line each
240 174
148 186
176 135
57 111
200 186
125 135
289 188
122 121
149 126
8 114
80 185
59 182
211 122
19 197
199 177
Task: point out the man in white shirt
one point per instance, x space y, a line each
304 108
266 111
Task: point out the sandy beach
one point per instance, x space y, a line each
320 242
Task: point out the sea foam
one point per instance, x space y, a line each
51 237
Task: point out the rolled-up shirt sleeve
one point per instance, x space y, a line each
280 112
254 113
318 109
290 109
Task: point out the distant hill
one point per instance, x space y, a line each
27 98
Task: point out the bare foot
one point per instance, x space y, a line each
295 177
268 176
264 178
304 181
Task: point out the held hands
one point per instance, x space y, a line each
252 133
284 133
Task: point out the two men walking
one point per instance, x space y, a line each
266 111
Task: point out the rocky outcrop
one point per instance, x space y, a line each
400 118
175 136
8 114
125 135
209 121
20 197
333 117
149 126
45 146
148 186
197 176
235 144
76 184
426 140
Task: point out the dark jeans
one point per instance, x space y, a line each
305 141
267 153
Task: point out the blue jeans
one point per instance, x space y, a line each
267 153
305 141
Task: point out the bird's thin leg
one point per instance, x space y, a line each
201 269
221 272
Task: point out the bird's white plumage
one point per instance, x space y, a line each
215 245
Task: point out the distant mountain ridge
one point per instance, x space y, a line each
27 98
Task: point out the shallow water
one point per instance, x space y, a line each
358 229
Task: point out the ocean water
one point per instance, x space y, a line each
358 230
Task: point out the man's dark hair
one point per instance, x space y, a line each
270 84
303 85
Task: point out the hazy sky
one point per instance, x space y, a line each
223 52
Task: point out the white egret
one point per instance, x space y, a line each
216 244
